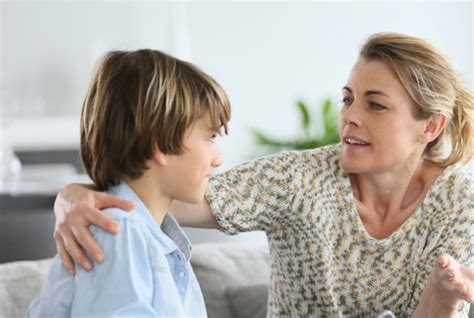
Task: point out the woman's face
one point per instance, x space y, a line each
376 124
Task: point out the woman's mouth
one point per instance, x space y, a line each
353 141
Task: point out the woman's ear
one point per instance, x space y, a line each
434 126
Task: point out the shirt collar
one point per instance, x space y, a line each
170 235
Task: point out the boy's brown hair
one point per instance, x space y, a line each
138 101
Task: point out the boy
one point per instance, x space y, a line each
148 125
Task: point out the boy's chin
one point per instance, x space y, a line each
193 199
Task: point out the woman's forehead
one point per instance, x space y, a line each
373 75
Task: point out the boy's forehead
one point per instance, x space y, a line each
205 121
202 124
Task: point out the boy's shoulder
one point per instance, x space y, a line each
126 219
119 214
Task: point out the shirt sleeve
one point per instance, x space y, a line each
122 285
453 234
255 196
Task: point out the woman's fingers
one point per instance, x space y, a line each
84 237
64 255
443 261
455 277
469 292
76 207
74 237
99 219
73 249
103 200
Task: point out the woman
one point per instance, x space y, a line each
384 220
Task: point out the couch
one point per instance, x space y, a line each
230 289
233 277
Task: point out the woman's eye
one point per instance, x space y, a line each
346 101
376 106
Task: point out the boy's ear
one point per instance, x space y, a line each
434 126
160 157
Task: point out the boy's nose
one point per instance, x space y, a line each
216 159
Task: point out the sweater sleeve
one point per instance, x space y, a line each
257 195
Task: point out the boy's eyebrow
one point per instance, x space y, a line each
216 131
367 93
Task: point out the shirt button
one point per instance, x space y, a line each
181 274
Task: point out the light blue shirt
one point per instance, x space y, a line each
146 272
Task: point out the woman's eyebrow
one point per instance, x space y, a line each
347 88
375 92
368 93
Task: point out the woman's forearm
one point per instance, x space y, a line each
193 215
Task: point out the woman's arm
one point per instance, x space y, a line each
78 205
193 215
448 284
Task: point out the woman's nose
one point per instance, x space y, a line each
351 115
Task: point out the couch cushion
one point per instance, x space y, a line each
220 265
248 301
19 282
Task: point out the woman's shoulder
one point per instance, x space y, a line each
458 182
321 156
321 163
453 193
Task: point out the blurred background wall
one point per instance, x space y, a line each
266 55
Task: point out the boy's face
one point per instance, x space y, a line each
188 173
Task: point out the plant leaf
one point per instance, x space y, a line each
305 118
327 106
329 118
308 141
263 139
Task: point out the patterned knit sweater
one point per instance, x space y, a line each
323 261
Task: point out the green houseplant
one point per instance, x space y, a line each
308 137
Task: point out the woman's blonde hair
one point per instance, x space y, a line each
138 101
429 79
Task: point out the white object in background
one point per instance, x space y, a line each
41 133
42 179
10 166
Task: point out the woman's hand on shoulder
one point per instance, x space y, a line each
76 207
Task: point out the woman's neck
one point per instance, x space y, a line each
390 192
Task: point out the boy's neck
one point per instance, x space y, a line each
147 189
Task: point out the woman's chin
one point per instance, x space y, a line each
353 167
348 166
